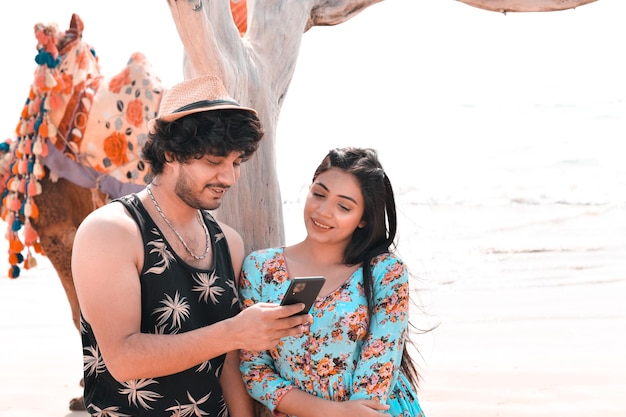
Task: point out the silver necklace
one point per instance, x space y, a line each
206 231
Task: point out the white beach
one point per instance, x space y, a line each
529 302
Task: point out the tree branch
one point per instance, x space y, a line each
504 6
334 12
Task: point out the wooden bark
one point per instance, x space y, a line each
256 70
505 6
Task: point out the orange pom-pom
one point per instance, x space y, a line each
15 244
38 248
43 129
34 209
13 184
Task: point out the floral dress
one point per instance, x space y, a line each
334 359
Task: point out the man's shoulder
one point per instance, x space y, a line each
111 217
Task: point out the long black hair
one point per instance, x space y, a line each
378 234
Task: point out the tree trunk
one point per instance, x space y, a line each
256 70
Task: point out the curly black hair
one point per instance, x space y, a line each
217 132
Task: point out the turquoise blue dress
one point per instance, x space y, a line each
334 359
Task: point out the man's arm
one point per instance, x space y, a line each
238 401
106 262
235 246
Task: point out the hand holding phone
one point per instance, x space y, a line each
303 290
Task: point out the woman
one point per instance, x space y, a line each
352 359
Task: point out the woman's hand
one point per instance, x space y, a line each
302 404
361 408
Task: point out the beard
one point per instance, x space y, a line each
190 192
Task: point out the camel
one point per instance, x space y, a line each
244 59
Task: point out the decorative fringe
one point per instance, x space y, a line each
30 235
25 168
14 271
30 261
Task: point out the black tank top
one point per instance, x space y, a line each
175 298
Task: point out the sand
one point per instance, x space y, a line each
529 302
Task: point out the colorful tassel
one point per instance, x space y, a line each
34 209
43 129
13 184
50 81
14 271
38 147
52 130
15 244
30 235
38 172
30 261
16 204
38 249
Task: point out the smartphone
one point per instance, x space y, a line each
303 290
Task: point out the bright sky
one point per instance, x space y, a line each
398 65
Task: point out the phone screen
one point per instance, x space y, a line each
303 290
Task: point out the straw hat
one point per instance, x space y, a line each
195 95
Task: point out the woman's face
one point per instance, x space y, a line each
334 207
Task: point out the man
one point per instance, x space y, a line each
156 274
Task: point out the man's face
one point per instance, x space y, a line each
201 183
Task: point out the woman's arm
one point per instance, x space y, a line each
262 380
303 404
381 353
